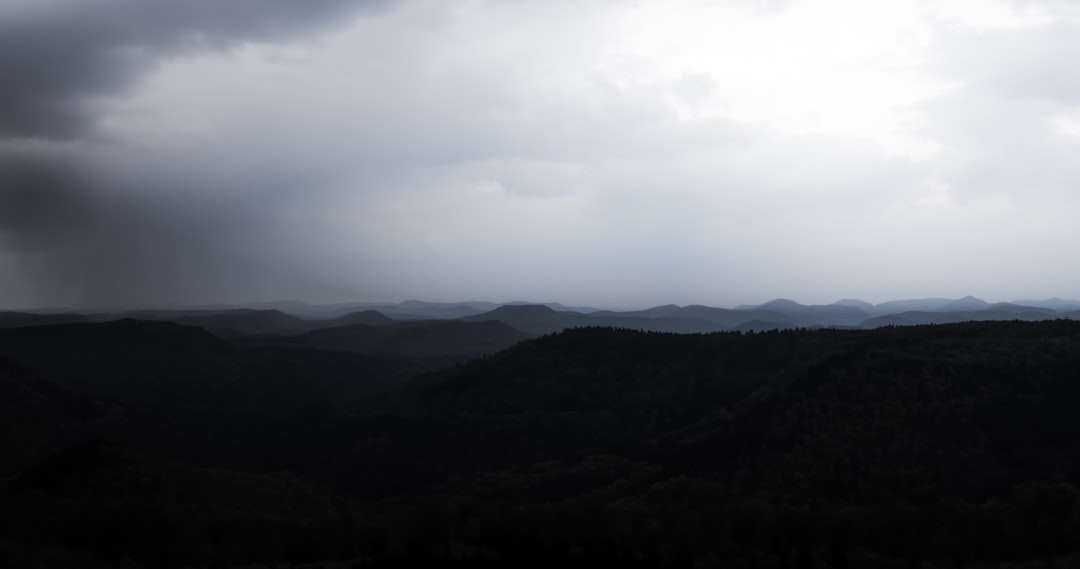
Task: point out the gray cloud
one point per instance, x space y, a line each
31 188
77 241
999 121
55 57
453 150
1019 63
73 232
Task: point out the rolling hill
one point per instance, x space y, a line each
425 339
951 444
579 443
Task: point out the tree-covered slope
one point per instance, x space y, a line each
929 446
946 444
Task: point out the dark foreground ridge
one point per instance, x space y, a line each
924 446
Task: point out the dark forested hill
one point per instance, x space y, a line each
452 340
39 417
97 504
240 322
368 317
954 445
23 319
229 323
941 445
532 318
203 386
166 363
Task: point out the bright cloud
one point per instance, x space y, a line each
602 152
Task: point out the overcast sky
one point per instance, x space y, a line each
612 152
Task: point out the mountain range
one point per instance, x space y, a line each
295 318
535 435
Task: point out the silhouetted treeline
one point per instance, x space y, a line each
931 446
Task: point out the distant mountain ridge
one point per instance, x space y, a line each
293 318
780 314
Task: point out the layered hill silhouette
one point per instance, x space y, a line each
426 338
830 447
930 433
202 386
12 319
545 318
241 322
775 315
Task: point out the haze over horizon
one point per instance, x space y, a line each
606 153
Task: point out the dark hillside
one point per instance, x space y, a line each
24 319
229 323
448 339
936 446
995 313
369 317
532 318
125 357
186 376
98 504
597 388
169 364
854 448
39 417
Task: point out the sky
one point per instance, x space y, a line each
613 153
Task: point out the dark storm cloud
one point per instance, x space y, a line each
31 188
106 242
55 57
71 232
